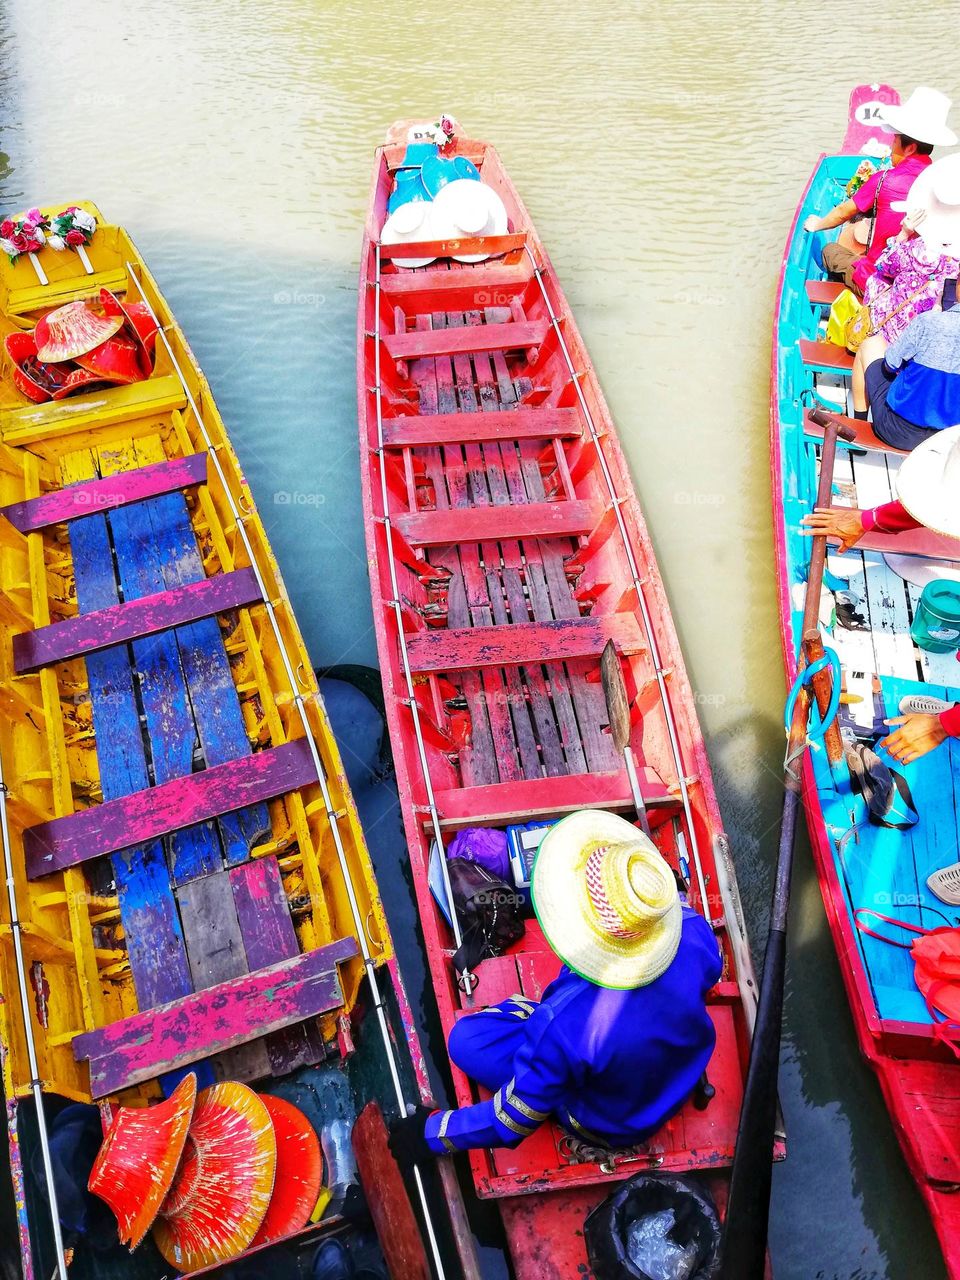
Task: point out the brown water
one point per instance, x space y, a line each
661 151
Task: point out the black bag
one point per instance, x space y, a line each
882 789
607 1229
488 911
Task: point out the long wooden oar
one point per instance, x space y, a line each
618 714
748 1207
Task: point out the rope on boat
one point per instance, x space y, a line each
300 702
616 502
36 1085
816 725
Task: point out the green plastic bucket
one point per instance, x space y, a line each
936 623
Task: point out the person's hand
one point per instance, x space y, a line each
916 735
845 523
911 221
811 222
407 1139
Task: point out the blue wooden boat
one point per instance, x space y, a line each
863 866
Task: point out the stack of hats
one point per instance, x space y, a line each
440 198
213 1174
82 345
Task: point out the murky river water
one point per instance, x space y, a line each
661 150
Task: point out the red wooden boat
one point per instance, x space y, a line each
506 547
861 866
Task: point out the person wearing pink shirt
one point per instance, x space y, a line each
928 488
917 127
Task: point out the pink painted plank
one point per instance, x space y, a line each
502 424
455 649
103 495
481 524
863 437
912 542
173 1035
119 623
825 355
145 815
822 293
466 339
538 797
494 245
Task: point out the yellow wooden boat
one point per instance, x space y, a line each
188 884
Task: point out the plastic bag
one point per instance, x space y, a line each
636 1216
651 1249
846 307
486 846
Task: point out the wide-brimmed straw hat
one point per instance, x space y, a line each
606 900
928 482
936 192
72 330
136 1165
465 208
922 117
222 1189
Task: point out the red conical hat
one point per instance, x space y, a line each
223 1186
135 1166
73 330
33 382
77 380
299 1171
116 360
139 322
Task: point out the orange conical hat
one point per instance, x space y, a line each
299 1171
136 1164
73 330
223 1186
116 360
138 319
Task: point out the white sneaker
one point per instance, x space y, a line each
946 883
921 704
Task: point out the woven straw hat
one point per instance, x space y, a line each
606 900
928 482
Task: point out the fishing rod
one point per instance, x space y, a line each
300 702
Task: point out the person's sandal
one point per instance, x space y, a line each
922 704
945 884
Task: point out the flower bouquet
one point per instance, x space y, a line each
866 169
72 228
24 234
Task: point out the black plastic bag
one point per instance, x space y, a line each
607 1229
489 911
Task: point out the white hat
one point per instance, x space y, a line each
928 482
606 900
466 207
407 225
919 571
937 192
922 117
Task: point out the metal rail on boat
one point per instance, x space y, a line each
466 978
654 650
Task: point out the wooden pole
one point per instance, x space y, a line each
822 684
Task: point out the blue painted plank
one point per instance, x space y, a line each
194 851
155 943
216 708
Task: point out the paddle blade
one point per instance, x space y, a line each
615 696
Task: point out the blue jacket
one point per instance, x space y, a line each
609 1065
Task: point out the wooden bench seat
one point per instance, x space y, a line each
864 437
824 293
33 423
104 495
174 1035
118 623
486 285
466 339
479 428
825 355
913 542
488 524
467 648
145 815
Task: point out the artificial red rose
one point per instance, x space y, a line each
6 228
29 229
20 242
75 237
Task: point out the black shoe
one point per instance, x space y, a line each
332 1262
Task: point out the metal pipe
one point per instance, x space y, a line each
32 1061
299 701
638 585
465 977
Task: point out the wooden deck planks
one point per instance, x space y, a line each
443 428
148 911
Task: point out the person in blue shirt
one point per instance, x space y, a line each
912 387
621 1037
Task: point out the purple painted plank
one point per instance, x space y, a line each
235 1012
101 495
90 632
156 811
